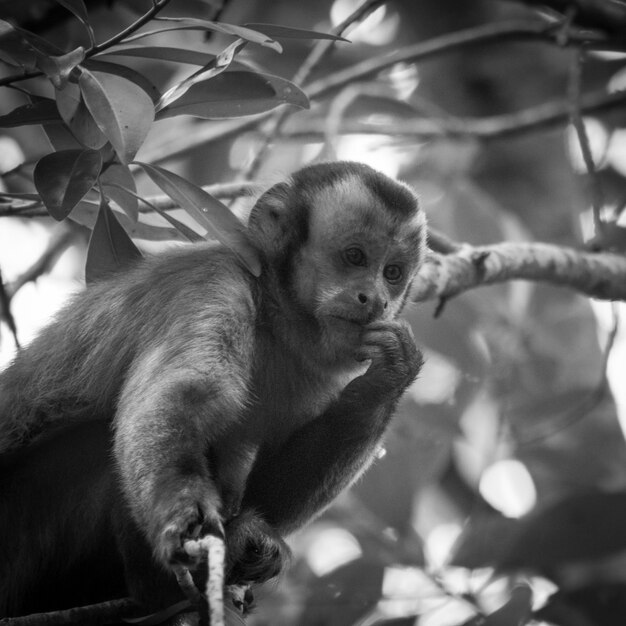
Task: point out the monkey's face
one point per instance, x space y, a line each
357 263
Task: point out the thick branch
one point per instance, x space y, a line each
598 275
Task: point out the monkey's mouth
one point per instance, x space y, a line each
351 321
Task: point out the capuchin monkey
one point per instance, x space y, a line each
186 396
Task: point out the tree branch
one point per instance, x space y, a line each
479 35
452 268
102 613
598 275
532 119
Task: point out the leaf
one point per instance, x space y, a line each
236 94
583 526
77 7
120 187
220 27
59 68
164 53
41 111
86 214
183 229
71 105
175 55
285 32
210 213
61 138
14 47
17 41
21 196
63 178
210 70
110 248
125 72
517 611
188 233
122 110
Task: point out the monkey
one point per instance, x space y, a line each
202 399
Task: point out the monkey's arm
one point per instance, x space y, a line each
325 456
176 401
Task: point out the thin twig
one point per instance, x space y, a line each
479 35
340 105
575 81
532 119
273 126
57 245
583 408
609 16
324 46
223 191
5 312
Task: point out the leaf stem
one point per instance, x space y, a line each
157 6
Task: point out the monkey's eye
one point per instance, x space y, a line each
392 273
354 256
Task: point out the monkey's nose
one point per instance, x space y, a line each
373 304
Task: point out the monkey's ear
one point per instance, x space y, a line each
271 220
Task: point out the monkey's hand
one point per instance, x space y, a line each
255 551
395 359
186 514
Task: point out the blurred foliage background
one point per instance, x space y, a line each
501 495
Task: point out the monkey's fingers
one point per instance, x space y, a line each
368 353
377 344
187 522
186 584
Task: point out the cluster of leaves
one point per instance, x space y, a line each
100 112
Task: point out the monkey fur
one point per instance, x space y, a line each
186 396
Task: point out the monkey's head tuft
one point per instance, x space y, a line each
279 221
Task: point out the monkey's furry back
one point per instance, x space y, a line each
74 369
